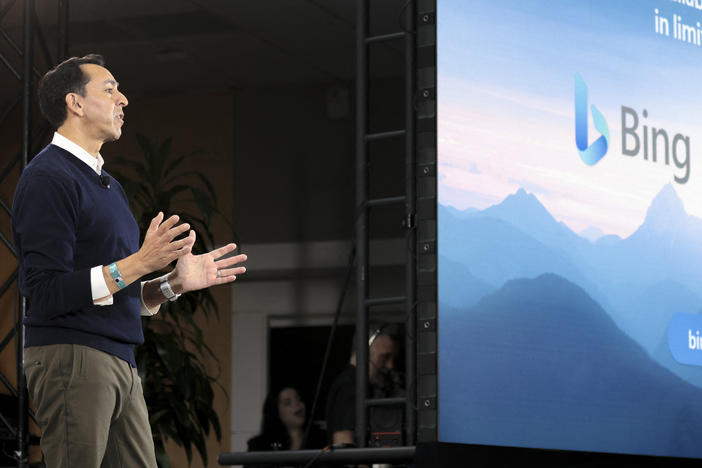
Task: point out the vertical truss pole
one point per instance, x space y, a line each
362 238
410 207
62 51
28 58
22 397
23 406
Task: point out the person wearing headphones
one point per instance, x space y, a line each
383 382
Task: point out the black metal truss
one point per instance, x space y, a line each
29 138
364 204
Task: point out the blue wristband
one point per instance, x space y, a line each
117 276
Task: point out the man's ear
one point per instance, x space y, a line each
74 104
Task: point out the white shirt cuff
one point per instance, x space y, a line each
145 311
99 287
102 296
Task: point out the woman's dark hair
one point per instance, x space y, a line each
66 77
272 428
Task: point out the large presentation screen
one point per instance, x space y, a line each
570 224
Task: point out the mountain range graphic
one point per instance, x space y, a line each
561 340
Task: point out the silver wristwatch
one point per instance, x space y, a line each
166 289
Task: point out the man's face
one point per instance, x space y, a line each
383 352
103 105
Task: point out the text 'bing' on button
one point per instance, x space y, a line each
685 338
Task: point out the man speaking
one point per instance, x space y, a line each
79 267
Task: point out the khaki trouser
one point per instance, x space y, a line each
90 408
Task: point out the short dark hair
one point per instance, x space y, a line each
66 77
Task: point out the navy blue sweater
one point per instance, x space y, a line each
64 222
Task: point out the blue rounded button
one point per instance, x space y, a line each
685 338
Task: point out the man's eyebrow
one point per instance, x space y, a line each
111 82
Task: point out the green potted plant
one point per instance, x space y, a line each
177 388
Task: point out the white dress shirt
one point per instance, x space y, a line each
101 294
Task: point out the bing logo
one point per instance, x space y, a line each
590 154
639 137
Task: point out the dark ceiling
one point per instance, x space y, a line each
167 46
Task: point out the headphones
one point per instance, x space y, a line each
383 327
375 330
374 335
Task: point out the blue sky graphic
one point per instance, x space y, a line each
506 69
543 40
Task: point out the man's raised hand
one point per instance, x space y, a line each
193 272
159 248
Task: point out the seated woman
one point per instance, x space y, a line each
284 422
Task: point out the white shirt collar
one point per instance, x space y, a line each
77 151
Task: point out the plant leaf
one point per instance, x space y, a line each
177 387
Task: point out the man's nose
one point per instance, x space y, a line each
390 364
122 99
